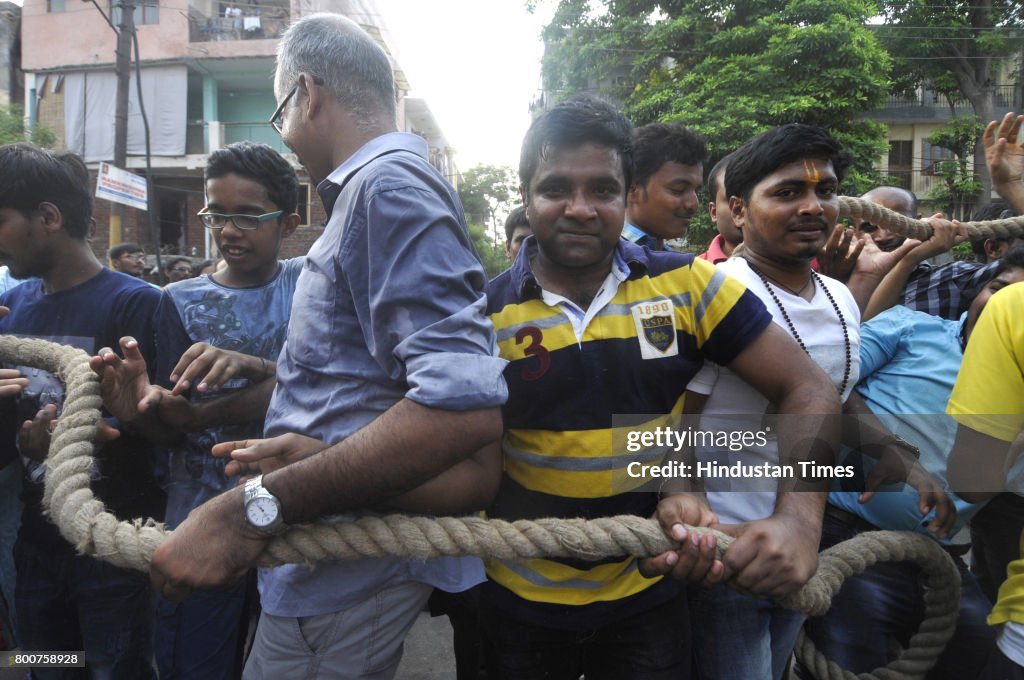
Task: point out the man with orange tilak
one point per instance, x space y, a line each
783 194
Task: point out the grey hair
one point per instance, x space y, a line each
350 62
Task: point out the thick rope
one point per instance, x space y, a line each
84 521
865 211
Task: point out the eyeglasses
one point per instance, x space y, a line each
277 120
217 221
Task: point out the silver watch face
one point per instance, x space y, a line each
261 512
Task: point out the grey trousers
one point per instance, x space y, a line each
363 642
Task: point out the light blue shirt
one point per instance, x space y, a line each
908 365
389 305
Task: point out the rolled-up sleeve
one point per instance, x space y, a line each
418 292
457 378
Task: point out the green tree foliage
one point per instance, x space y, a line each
492 256
12 129
960 185
488 194
956 49
728 68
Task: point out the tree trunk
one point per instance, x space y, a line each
984 105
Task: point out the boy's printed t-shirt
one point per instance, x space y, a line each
252 321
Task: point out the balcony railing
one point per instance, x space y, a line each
238 22
1005 97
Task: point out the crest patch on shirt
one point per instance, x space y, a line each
655 328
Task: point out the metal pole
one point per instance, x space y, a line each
122 68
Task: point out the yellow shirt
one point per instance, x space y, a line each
989 398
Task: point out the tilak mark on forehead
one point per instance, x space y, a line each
811 171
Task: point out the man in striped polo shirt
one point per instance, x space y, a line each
594 326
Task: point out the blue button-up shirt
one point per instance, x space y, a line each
909 362
390 305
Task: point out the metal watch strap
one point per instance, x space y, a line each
253 488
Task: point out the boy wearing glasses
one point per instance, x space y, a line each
252 193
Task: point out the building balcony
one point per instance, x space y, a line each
926 105
220 21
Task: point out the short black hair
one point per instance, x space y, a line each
778 147
997 210
261 164
579 121
169 264
517 218
655 144
197 269
30 175
123 249
1013 259
712 183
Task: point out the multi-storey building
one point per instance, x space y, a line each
10 53
913 160
207 80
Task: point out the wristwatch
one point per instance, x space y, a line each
262 508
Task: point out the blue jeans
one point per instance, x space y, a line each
198 638
68 603
10 520
885 602
651 645
738 636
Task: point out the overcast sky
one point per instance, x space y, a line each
477 64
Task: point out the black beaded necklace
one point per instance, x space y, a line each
792 329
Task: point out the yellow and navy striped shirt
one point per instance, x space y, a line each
635 356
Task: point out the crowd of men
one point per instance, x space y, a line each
383 373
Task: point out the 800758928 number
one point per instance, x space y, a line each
42 660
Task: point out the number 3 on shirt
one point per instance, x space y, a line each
534 349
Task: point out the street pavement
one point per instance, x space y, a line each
429 654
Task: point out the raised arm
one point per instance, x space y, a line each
945 235
1004 156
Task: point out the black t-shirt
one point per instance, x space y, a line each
94 314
